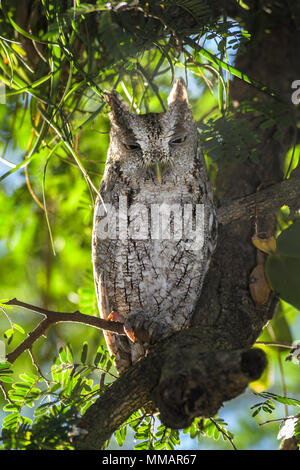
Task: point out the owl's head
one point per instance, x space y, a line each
153 145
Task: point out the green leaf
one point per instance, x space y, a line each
19 328
220 93
141 435
120 435
22 385
26 34
41 409
5 379
55 388
159 445
287 401
209 428
10 407
281 326
3 304
62 355
256 411
11 420
219 63
297 429
84 352
5 367
99 356
13 170
283 274
28 377
288 242
141 445
216 434
8 334
267 409
54 373
169 445
273 396
69 354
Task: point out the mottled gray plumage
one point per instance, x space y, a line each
151 281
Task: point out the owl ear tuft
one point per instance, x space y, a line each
119 109
178 94
179 108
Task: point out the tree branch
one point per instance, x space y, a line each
185 377
268 200
53 317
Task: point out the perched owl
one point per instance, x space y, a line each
155 228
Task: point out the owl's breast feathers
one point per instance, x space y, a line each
152 248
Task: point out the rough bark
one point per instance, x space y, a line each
183 375
264 202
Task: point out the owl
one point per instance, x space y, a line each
155 225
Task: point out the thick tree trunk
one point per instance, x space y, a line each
184 375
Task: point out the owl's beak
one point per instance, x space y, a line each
157 171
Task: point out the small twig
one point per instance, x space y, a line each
53 317
34 362
268 200
102 380
8 319
281 371
5 394
274 420
279 345
34 196
223 433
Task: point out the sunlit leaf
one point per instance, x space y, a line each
283 274
289 241
84 352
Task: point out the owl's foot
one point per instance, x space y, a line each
146 329
115 316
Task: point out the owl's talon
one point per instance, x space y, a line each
136 327
115 316
145 329
129 332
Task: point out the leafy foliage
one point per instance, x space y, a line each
212 427
268 405
58 401
225 140
151 436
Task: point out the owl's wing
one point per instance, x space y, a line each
118 345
